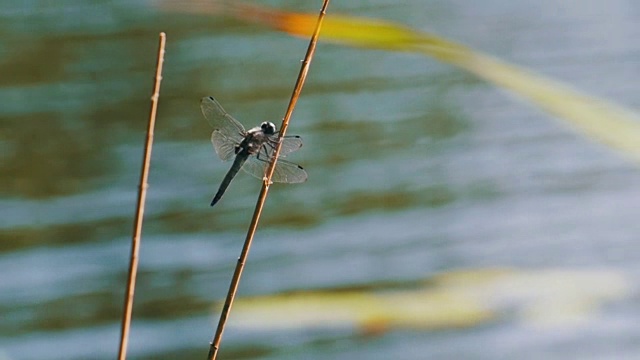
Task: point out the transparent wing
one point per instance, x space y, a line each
225 146
220 119
227 131
288 172
285 172
289 144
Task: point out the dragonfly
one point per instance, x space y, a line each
252 150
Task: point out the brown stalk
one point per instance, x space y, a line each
237 274
142 194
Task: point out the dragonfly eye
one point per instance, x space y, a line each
268 127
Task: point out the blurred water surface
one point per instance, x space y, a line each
415 168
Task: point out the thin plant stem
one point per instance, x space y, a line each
142 194
237 274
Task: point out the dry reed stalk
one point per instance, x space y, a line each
235 281
142 194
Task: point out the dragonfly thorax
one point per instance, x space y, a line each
255 138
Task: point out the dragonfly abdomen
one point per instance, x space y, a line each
237 164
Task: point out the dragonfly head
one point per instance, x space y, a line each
268 128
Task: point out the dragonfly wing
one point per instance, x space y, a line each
227 133
288 172
225 147
289 145
255 167
285 172
220 119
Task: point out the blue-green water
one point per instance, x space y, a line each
415 168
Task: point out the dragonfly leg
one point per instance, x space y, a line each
265 154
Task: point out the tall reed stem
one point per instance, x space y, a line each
237 274
142 194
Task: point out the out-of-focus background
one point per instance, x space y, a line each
420 177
